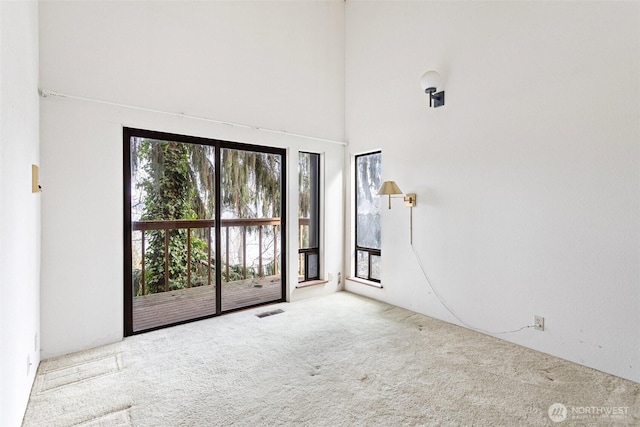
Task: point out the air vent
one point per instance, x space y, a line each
269 313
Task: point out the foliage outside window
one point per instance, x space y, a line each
165 186
173 181
368 178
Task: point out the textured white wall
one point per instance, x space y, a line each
19 208
527 180
277 65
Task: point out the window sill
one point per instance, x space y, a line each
311 283
365 282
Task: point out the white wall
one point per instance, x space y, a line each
527 180
19 208
277 65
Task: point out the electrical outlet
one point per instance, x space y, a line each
538 323
28 364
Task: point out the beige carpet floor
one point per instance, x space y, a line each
340 360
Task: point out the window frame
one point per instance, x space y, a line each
307 252
370 251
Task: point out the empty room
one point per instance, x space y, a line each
345 212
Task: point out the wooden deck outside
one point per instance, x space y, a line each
150 311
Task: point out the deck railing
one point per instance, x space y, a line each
208 225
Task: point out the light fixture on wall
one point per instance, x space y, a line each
391 189
430 82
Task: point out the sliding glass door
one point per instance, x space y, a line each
203 228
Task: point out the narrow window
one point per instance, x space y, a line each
309 217
368 244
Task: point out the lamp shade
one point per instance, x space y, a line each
430 80
389 187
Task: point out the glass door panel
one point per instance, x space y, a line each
250 228
172 232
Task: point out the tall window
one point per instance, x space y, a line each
309 217
368 180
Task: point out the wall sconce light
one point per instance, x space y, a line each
391 189
388 188
429 82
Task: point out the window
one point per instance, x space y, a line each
368 180
308 217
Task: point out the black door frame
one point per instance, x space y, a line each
127 133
